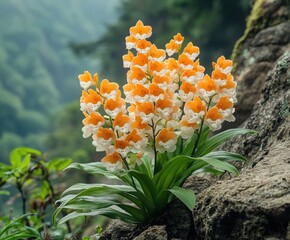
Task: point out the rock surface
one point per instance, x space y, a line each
256 205
266 38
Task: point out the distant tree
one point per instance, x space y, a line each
212 25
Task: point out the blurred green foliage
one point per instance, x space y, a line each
213 25
66 139
31 175
37 68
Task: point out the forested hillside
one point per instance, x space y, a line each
37 67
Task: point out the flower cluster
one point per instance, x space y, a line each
166 98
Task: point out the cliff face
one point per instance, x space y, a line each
256 204
266 38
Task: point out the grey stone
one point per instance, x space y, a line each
255 205
153 233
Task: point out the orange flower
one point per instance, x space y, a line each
93 118
143 46
219 77
187 91
225 106
113 106
155 54
112 161
140 93
224 103
90 101
184 61
229 89
166 140
122 147
191 51
131 42
103 138
198 68
140 31
195 109
189 76
140 61
173 67
121 123
223 64
108 89
137 141
92 122
128 90
146 111
155 92
214 118
136 75
86 79
164 107
132 111
207 87
187 128
90 96
171 47
127 59
139 124
178 39
162 81
157 68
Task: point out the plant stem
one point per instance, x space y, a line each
198 136
200 130
19 187
154 147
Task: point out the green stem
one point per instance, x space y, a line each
198 136
19 187
154 147
200 130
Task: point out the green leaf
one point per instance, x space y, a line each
94 168
226 156
58 164
185 195
215 141
146 166
189 145
13 224
24 165
146 183
17 154
4 192
107 212
88 190
220 165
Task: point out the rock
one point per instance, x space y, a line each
153 233
255 205
266 38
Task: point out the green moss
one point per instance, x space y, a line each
255 23
282 66
259 19
283 111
